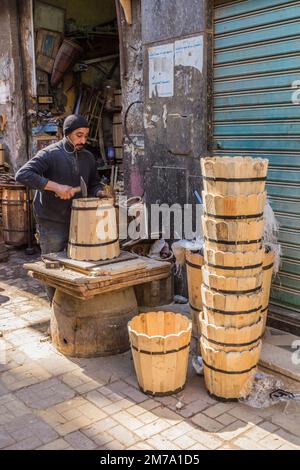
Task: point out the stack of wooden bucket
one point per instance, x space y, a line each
231 324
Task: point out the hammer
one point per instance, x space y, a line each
82 188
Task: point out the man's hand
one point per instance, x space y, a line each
61 190
65 192
106 192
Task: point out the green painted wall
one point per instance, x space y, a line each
87 12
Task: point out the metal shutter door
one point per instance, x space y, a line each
256 61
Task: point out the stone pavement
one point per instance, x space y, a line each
48 401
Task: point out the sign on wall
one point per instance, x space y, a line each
187 52
161 70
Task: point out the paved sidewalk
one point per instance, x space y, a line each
48 401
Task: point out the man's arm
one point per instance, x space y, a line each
31 175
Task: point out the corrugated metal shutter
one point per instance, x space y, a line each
256 61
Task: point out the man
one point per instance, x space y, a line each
54 172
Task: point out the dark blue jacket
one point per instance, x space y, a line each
58 163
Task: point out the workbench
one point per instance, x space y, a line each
94 301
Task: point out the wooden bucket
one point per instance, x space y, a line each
118 135
268 266
234 175
243 207
93 230
194 263
229 375
66 57
155 293
118 98
229 338
160 343
237 264
233 236
230 310
92 327
14 215
231 285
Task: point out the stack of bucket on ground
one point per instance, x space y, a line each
231 322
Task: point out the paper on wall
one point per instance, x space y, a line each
161 70
189 52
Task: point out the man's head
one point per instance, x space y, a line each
76 129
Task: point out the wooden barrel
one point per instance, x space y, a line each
242 207
155 293
66 57
118 98
93 230
160 343
194 263
92 327
233 236
234 175
229 338
118 135
14 215
231 285
229 375
236 264
268 266
4 253
231 310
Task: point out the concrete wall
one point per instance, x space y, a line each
11 93
177 127
132 94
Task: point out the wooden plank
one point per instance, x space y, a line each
91 293
120 269
73 278
86 266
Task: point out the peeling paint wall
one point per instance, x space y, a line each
132 96
11 94
176 97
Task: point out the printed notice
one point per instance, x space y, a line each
4 92
161 70
189 52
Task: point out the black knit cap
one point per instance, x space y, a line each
73 122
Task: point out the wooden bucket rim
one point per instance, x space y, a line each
221 351
171 335
220 327
262 195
